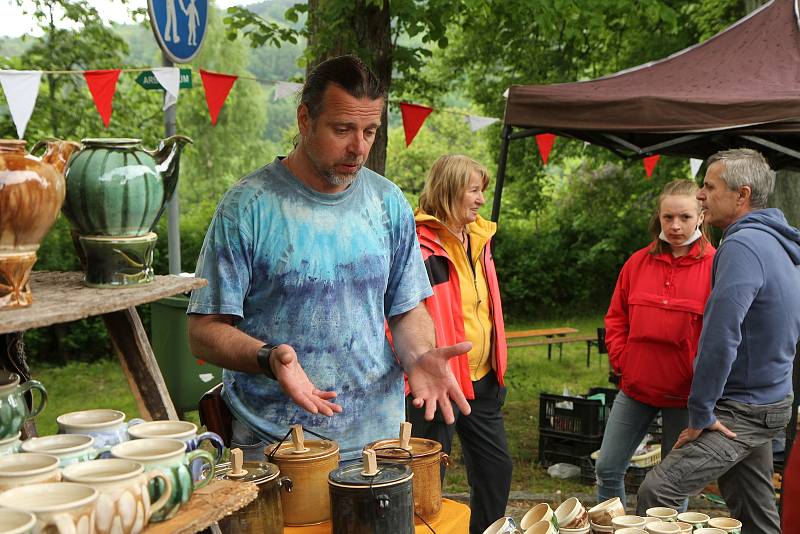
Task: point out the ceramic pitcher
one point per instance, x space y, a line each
13 408
31 193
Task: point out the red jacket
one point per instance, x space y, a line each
654 321
445 306
791 492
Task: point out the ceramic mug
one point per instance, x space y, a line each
16 521
68 448
696 519
182 430
598 529
504 525
107 427
63 507
571 515
123 506
540 512
685 528
541 527
10 445
604 512
169 456
629 530
709 530
728 524
663 513
27 468
662 527
628 521
13 408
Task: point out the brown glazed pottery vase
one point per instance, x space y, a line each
31 193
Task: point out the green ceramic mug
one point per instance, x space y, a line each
13 408
170 457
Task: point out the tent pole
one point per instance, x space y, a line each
501 173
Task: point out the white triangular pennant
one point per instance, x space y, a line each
170 79
694 165
284 89
505 93
21 88
476 122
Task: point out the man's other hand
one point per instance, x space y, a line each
691 434
295 383
432 382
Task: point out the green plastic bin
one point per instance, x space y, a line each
187 377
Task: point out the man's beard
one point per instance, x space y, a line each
334 178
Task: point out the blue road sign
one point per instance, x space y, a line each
179 26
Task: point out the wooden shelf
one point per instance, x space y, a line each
60 297
207 506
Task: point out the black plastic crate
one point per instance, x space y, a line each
587 471
555 447
572 415
634 477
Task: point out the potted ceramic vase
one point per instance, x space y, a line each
31 193
116 192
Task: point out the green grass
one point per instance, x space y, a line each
81 386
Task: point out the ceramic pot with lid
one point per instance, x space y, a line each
307 464
372 499
265 514
426 458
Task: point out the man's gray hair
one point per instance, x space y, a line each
745 166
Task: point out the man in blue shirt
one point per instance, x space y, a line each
307 259
741 394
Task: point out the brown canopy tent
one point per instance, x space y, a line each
739 88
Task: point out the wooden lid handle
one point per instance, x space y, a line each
370 462
237 459
405 435
298 440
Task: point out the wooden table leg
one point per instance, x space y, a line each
139 364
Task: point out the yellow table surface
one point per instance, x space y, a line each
453 519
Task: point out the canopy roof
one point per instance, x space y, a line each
739 88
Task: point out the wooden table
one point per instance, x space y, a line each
552 335
60 297
453 519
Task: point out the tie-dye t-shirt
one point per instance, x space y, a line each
319 272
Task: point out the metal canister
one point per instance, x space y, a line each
379 504
265 514
308 468
425 457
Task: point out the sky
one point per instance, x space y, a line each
14 23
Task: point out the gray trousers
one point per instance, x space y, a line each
742 466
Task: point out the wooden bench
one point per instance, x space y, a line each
553 336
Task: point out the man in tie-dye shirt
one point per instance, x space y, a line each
306 260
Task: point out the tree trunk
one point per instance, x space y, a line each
786 195
371 41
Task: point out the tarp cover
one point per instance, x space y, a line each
743 81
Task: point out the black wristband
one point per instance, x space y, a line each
262 357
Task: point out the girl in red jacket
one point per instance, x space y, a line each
652 329
465 305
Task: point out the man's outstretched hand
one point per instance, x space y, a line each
295 383
432 382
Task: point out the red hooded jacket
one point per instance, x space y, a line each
445 306
654 321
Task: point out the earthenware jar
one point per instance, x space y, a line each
116 192
124 504
170 457
13 408
31 193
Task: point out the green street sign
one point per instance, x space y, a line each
148 80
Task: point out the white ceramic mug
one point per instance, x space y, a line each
629 530
728 524
696 519
709 530
65 506
107 427
663 513
16 521
504 525
10 445
628 521
23 468
604 512
183 430
542 527
123 506
685 528
662 527
540 512
68 448
571 515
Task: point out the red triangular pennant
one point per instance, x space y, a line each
545 143
217 87
650 164
102 84
414 116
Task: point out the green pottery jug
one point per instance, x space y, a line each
116 192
